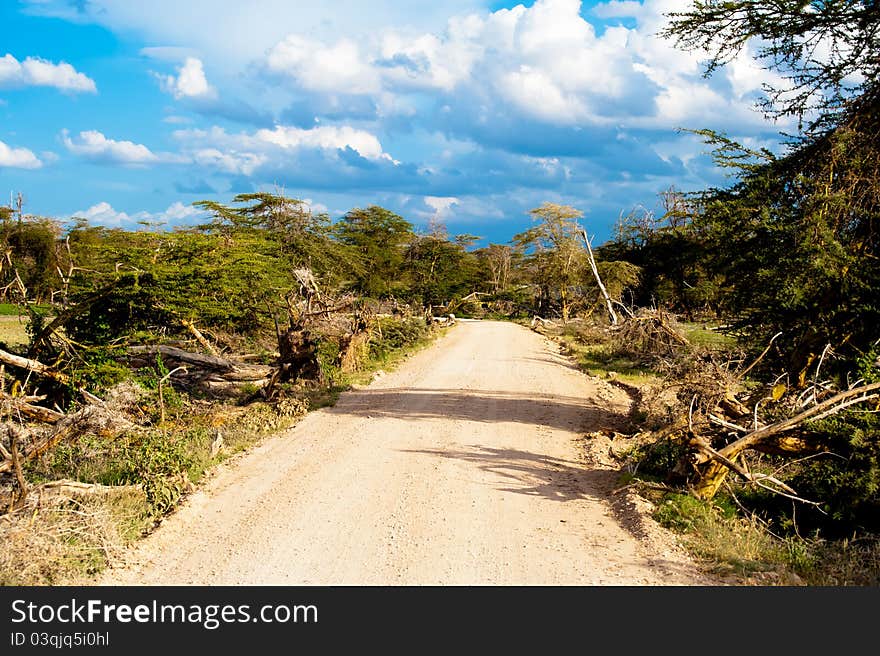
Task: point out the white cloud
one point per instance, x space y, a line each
190 81
93 145
19 158
178 212
544 62
236 32
105 215
318 208
320 67
326 138
34 71
245 153
231 161
442 205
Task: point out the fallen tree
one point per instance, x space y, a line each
198 365
774 439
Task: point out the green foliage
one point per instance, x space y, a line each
137 302
378 239
99 369
657 460
787 35
31 244
848 485
439 270
556 260
793 245
674 262
398 334
328 355
160 462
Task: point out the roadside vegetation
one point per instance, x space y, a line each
743 321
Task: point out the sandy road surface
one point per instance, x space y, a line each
464 466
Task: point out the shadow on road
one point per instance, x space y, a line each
532 474
562 412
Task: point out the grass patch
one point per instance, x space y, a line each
596 356
734 546
77 537
601 361
13 330
743 549
708 337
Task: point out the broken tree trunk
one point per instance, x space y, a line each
772 439
22 405
91 419
200 338
602 289
33 365
44 370
227 369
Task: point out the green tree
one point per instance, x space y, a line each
439 269
796 238
675 263
825 50
378 240
29 270
557 258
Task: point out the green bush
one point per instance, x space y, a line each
99 369
136 302
396 334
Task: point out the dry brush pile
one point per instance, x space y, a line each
711 418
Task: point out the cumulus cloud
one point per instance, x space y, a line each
501 108
245 153
327 138
236 31
93 145
542 63
18 158
323 67
190 86
230 161
34 71
442 205
190 81
104 214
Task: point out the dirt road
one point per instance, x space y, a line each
464 466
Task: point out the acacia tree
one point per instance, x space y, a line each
557 258
497 260
827 51
378 238
797 238
440 269
28 270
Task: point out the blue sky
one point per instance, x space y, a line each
461 111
